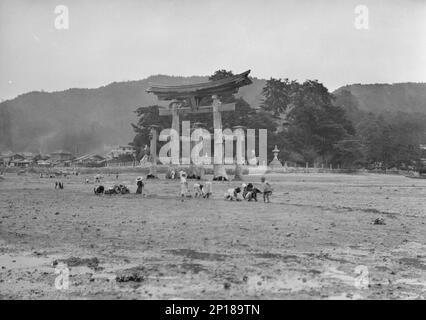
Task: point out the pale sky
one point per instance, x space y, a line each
111 41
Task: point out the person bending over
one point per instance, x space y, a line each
232 194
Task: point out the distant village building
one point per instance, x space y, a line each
121 156
44 163
122 150
23 164
18 160
5 158
28 155
22 159
17 157
61 156
90 160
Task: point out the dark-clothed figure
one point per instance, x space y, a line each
99 190
140 185
59 185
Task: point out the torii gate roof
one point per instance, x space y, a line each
200 90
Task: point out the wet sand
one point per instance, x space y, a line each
315 240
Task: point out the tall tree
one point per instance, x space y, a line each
350 104
220 74
147 116
316 125
277 95
5 128
392 140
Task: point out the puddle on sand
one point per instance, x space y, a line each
292 281
283 257
23 262
198 255
413 248
345 296
333 273
413 262
412 282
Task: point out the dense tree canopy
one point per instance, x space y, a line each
244 115
310 125
314 125
278 95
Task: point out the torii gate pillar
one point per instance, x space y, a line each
175 124
175 118
218 166
153 151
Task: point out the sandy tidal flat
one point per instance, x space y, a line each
315 240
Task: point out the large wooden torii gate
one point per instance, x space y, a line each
188 99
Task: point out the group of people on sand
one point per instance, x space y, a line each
200 189
246 191
249 192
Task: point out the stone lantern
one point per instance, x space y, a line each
275 163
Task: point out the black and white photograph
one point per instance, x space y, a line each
226 151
